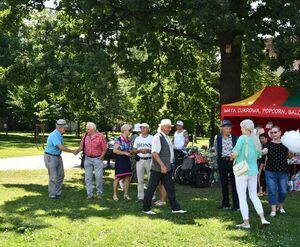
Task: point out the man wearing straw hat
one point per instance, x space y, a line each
53 159
162 158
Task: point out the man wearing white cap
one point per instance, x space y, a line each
162 158
142 149
181 140
53 159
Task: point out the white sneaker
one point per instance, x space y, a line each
149 212
265 222
243 226
273 214
179 211
282 211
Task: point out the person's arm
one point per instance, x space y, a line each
237 148
65 149
117 151
186 138
103 147
163 167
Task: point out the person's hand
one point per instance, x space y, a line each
127 154
265 151
163 169
101 158
74 152
233 156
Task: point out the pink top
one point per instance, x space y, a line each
95 145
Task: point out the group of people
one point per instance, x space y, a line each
155 156
271 158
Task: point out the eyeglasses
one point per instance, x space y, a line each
274 132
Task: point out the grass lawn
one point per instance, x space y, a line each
23 144
29 218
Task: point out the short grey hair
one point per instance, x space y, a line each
126 127
91 125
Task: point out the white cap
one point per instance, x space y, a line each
179 123
164 122
61 123
137 128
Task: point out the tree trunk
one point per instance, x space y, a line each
231 66
212 127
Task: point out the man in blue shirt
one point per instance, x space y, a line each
53 159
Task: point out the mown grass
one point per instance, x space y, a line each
29 218
23 144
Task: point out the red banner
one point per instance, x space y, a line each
250 111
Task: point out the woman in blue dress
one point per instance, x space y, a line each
122 150
248 148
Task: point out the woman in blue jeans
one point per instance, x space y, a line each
276 171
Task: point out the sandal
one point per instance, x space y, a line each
126 197
115 198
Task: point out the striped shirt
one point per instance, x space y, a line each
94 145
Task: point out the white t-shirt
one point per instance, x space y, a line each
156 145
143 143
179 140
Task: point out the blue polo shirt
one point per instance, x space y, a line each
54 139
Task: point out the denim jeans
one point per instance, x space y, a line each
277 182
90 165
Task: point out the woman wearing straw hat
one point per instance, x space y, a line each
122 149
248 148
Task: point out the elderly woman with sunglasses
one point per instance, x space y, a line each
122 150
276 171
248 147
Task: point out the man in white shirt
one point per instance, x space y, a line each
142 149
163 157
181 140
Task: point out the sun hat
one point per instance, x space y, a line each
164 122
137 127
145 125
61 123
226 123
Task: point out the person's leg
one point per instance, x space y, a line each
60 176
98 168
241 185
282 188
272 189
126 186
263 181
235 198
223 173
51 162
115 187
169 186
259 179
140 170
88 174
162 193
152 185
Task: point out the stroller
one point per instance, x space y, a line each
194 170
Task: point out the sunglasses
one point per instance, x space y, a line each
274 132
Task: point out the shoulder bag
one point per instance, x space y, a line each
241 168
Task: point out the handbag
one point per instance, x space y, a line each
241 168
83 154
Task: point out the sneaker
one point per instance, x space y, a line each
58 196
179 211
89 197
273 214
243 226
159 203
98 197
265 222
223 207
282 211
149 212
53 197
235 209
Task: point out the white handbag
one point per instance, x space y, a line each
241 168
